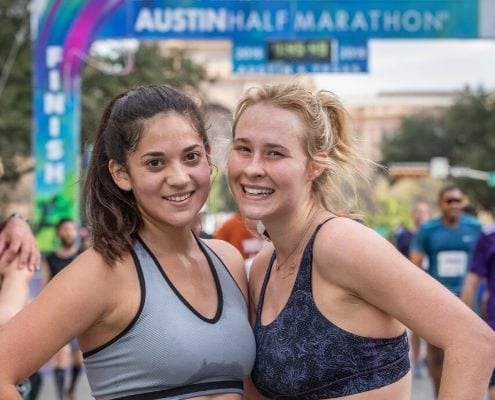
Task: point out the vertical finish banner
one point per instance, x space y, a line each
62 32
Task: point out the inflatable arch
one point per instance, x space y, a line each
63 31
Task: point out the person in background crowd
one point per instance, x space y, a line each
483 268
85 237
403 236
471 210
420 213
482 295
329 295
70 355
14 295
158 312
18 251
447 242
236 231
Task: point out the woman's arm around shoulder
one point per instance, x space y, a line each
69 305
356 258
14 289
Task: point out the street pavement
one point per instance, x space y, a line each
422 389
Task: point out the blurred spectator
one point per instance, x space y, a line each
483 268
15 281
235 231
420 214
18 250
403 235
85 236
471 210
14 295
448 243
70 355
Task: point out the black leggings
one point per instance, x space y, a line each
36 381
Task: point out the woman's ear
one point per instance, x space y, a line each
120 175
315 169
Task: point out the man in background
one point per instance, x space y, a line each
236 231
69 356
448 243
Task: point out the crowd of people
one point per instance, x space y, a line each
162 312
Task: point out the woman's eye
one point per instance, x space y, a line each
193 156
242 149
274 153
154 163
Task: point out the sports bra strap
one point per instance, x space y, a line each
308 248
304 275
313 236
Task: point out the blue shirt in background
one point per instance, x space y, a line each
449 249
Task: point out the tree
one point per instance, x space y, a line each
149 66
420 137
15 89
465 134
470 124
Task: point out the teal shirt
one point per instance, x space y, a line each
449 249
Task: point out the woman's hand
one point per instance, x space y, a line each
17 239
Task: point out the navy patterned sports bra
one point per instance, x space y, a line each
302 355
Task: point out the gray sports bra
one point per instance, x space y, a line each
169 350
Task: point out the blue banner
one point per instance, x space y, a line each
248 20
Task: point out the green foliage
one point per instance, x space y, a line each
15 87
420 138
391 215
465 134
150 67
390 205
220 199
471 126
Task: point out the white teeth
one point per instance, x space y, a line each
179 198
257 191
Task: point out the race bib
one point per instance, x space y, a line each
452 263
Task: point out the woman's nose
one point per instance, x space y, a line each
178 176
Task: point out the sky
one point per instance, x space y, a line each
420 65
